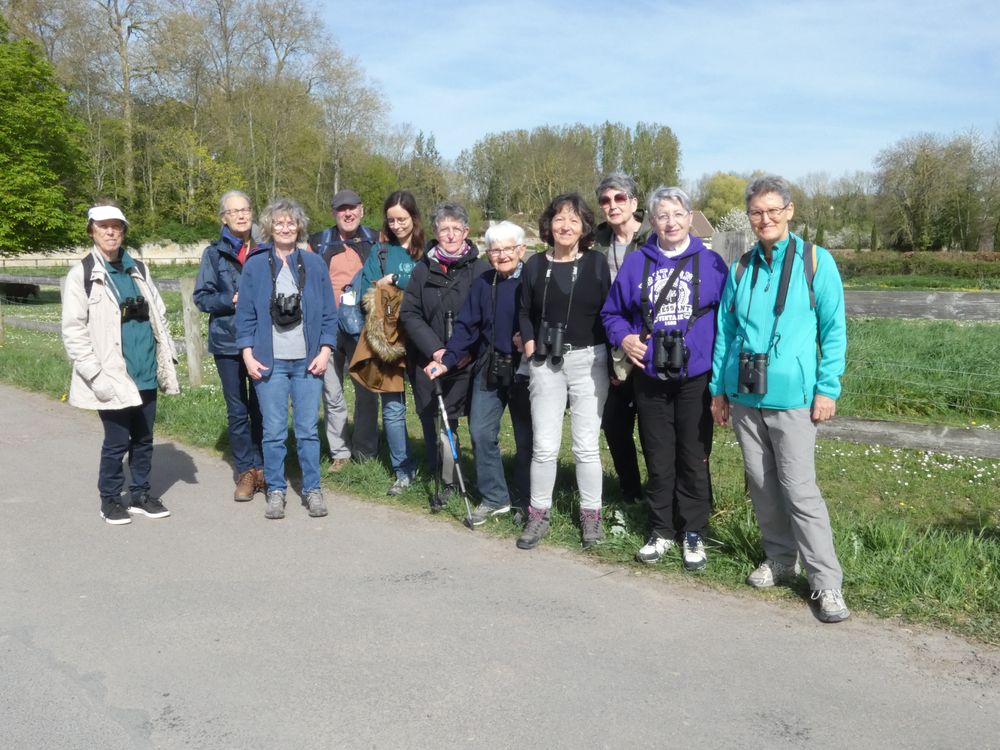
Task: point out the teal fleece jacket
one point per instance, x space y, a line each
798 369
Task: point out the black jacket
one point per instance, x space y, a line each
435 291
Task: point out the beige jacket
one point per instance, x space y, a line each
92 335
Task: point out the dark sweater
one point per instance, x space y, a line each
584 319
476 321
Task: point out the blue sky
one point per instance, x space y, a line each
791 88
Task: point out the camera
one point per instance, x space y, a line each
286 309
500 370
134 308
549 342
753 373
670 355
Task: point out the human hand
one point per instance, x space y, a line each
823 408
518 343
318 366
634 348
434 370
254 368
720 410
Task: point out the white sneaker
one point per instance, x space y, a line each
654 549
831 605
771 572
694 551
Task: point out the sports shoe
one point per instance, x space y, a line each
246 486
337 465
654 549
440 499
398 487
694 551
143 503
771 572
315 503
831 605
275 505
485 512
113 512
591 530
536 528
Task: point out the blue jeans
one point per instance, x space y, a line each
245 424
128 430
288 378
485 413
394 422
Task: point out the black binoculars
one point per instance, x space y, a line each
670 355
500 371
753 373
134 308
549 342
286 309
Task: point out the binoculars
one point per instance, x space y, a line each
753 373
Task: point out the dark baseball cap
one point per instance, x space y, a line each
345 198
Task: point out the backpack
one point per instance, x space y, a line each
350 316
88 270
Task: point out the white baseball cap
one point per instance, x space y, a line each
104 213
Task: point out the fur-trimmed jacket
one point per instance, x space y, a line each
92 335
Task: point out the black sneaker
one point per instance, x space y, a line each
145 504
113 512
439 501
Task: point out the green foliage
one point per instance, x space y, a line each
40 157
720 194
981 270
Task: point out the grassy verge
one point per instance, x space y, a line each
918 533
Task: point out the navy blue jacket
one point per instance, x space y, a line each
253 309
477 322
217 283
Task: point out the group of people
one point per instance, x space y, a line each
633 319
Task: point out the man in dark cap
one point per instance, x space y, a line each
345 249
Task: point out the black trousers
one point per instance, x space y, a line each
618 423
127 431
675 428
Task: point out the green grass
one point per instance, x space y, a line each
918 533
922 283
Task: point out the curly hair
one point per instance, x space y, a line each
579 206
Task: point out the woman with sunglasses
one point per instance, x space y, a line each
623 230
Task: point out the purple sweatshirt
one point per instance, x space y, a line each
622 313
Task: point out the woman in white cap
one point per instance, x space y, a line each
114 328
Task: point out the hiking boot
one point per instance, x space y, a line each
520 516
536 528
591 530
694 551
398 487
315 503
146 505
771 572
485 511
337 465
275 505
261 483
113 512
246 486
831 605
442 497
654 549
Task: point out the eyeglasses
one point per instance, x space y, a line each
620 200
498 251
756 217
397 222
237 212
450 231
676 216
285 225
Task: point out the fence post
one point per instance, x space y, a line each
193 343
730 245
1 322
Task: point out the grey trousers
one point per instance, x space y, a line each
365 442
779 453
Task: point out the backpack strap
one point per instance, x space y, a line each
88 272
741 268
810 261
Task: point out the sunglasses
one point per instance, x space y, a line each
620 200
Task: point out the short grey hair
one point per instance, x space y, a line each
232 194
283 207
449 210
664 193
617 181
769 183
504 230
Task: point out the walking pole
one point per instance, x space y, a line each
454 450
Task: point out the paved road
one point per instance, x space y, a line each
379 628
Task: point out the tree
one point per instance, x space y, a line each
40 158
719 194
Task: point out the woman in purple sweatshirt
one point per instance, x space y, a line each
661 311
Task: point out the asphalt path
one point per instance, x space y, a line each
383 628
